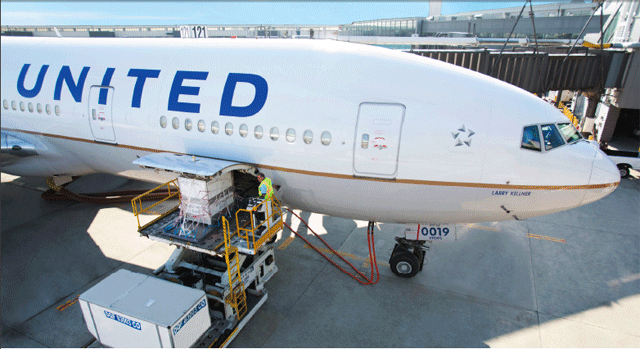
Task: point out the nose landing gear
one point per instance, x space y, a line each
407 258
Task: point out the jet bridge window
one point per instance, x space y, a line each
552 137
531 138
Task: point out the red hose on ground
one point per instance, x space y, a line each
372 252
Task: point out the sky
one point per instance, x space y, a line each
226 12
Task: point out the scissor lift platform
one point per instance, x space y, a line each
213 239
220 257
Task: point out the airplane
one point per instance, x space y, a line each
347 130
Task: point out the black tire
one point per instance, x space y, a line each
405 264
624 171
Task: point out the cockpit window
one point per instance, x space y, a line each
569 132
551 135
531 138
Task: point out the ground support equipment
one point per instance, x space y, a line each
230 259
223 249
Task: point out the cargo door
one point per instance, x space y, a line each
377 142
100 113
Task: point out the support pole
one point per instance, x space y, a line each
507 41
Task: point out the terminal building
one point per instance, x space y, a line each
537 47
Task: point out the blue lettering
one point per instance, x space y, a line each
178 89
259 99
142 75
36 89
106 81
65 76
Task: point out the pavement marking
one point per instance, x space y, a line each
348 255
624 280
542 237
482 227
286 242
68 304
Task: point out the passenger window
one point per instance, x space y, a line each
552 138
274 133
291 135
258 132
308 136
569 132
531 138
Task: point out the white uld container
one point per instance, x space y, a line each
205 211
202 200
128 309
204 189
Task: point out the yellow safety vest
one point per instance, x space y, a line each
267 183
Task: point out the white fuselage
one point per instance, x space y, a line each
411 139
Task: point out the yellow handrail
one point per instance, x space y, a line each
136 202
567 112
276 208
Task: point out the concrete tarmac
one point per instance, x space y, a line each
570 279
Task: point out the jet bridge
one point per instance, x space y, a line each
222 237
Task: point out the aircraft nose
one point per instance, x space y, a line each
604 179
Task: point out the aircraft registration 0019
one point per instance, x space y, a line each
431 232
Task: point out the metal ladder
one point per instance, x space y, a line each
237 297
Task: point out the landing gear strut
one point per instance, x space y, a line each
407 258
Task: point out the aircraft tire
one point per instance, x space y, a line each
405 264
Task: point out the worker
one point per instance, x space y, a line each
265 190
